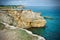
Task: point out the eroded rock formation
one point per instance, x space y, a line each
22 18
13 21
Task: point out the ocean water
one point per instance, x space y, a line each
52 29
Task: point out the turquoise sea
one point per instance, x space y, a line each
52 29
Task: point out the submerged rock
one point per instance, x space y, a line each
23 18
47 17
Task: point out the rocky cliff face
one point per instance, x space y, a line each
18 34
15 33
13 21
22 18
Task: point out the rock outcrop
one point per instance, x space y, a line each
14 33
18 34
13 21
22 18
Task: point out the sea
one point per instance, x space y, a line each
52 29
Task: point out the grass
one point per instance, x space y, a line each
1 26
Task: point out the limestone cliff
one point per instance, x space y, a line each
18 34
22 18
14 33
12 22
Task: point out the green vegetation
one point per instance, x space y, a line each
2 26
11 6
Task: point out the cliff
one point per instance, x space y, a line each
12 22
14 33
22 18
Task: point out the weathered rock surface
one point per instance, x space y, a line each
4 17
23 18
14 33
18 34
